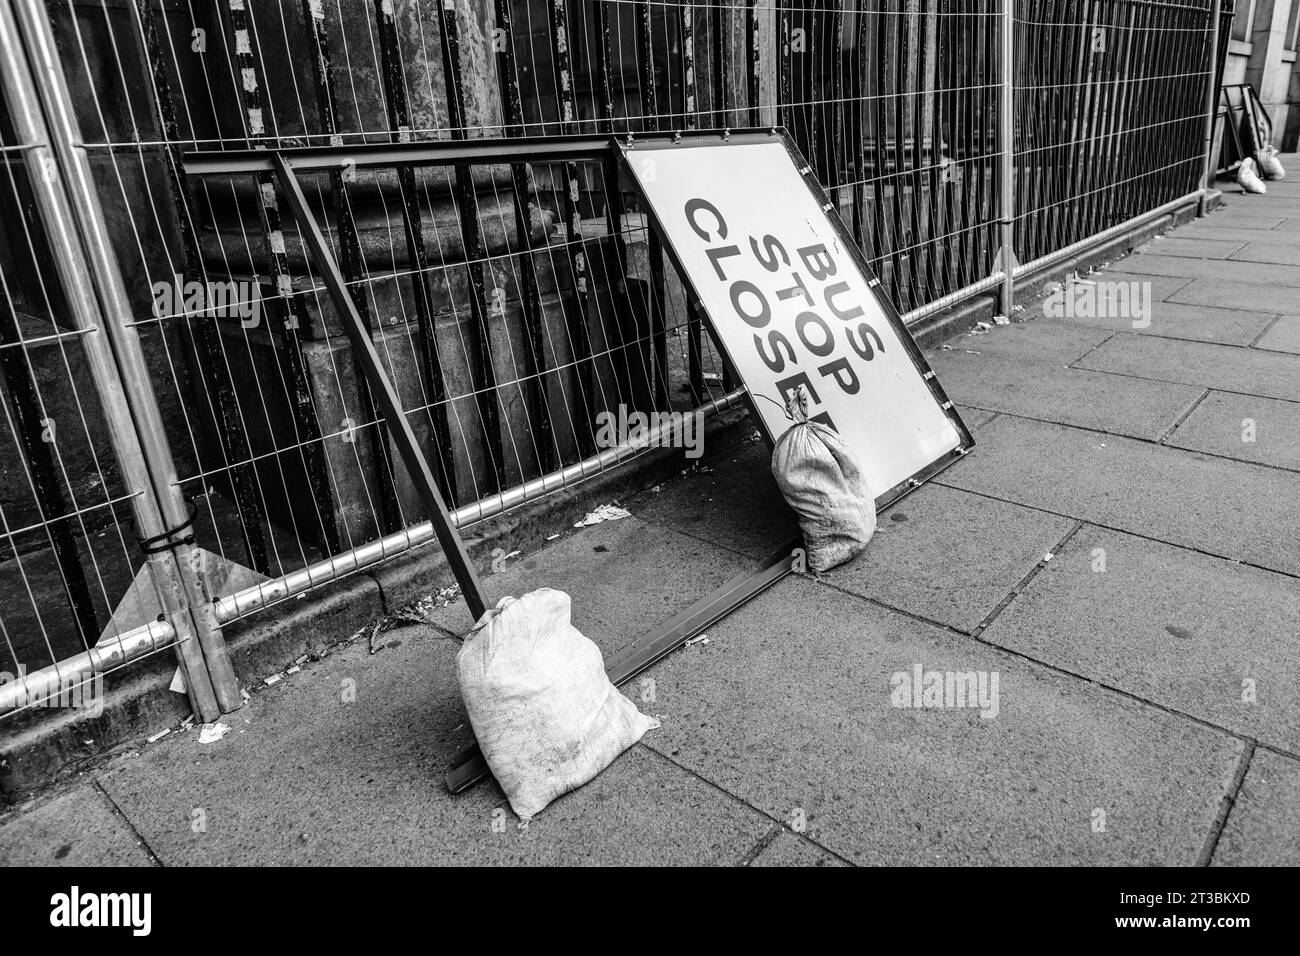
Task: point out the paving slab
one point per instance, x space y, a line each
1263 828
789 708
1283 336
307 777
1246 427
736 506
975 417
1278 253
1167 625
1285 187
790 850
1209 229
1232 509
1176 244
1233 270
1237 217
1036 339
78 828
592 566
942 554
1276 202
1176 320
1226 294
1222 367
1160 287
1281 204
949 556
1055 392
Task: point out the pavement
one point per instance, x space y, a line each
1119 552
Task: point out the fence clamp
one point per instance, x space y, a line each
168 539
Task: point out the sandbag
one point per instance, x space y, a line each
823 482
545 714
1269 165
1249 179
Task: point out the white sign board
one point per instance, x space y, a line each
787 294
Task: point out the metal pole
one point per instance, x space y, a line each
1008 145
120 373
50 684
1211 105
389 403
124 393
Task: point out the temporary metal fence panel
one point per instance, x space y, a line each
513 303
1109 113
118 465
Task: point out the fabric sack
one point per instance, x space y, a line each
1249 179
823 482
545 714
1269 165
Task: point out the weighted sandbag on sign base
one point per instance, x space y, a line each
1269 165
1249 179
822 481
545 714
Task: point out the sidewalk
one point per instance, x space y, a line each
1116 550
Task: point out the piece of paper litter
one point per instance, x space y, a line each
211 733
603 513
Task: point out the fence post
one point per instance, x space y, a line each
1211 107
99 304
1007 144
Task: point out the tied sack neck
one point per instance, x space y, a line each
796 405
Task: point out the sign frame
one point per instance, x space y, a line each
721 139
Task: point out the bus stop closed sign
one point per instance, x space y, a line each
791 301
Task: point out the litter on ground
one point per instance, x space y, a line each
211 733
603 513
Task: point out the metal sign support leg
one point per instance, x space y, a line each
385 395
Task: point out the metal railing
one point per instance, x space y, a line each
222 418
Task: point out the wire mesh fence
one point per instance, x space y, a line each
522 310
67 548
1110 110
